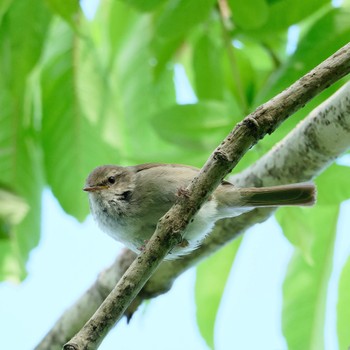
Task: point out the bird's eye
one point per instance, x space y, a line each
111 180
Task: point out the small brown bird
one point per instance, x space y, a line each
127 202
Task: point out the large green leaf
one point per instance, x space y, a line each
244 17
207 71
180 16
20 166
296 222
144 5
302 232
124 26
12 211
120 21
68 9
299 233
163 51
21 49
139 90
284 13
4 6
239 76
73 144
211 279
343 308
260 60
305 287
198 126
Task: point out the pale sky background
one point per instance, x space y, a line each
70 255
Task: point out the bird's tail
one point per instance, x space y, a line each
303 194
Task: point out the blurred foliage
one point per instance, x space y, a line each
343 307
314 232
76 93
213 273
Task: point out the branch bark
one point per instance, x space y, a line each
264 120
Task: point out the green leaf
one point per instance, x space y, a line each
20 165
260 59
239 76
333 185
73 145
343 307
135 89
21 49
325 36
120 23
207 71
4 6
11 262
163 51
137 94
13 209
284 13
244 17
145 5
211 279
180 16
197 126
297 229
306 284
313 231
296 222
68 9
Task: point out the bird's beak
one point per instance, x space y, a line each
94 188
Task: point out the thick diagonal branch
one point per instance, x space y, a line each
264 120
